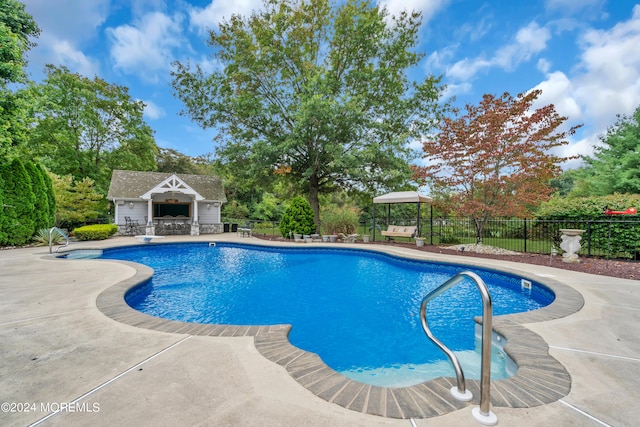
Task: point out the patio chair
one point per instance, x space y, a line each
131 226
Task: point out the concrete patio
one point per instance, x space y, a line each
65 363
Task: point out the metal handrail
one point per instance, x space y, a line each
484 415
62 233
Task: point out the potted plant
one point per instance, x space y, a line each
419 241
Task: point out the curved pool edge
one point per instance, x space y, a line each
540 378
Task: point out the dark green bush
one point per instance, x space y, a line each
95 232
40 212
17 225
297 218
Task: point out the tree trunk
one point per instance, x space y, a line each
479 224
314 201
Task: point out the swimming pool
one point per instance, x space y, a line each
358 310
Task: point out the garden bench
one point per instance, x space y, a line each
400 231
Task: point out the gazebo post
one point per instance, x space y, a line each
373 210
419 233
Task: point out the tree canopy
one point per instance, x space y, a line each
88 127
496 159
17 28
315 92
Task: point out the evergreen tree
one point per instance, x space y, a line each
297 218
3 235
19 203
40 211
615 166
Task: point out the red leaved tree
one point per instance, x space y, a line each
496 159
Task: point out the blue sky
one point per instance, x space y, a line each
583 54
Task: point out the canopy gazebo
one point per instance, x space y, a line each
399 197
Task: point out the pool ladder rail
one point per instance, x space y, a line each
62 233
482 413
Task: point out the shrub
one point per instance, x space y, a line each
297 218
95 232
41 238
339 220
17 225
605 231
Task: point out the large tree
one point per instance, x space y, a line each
17 28
316 92
496 160
88 127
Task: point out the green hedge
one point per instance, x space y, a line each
607 232
95 232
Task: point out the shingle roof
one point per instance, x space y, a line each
133 184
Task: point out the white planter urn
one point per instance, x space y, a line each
570 244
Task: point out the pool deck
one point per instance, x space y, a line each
66 362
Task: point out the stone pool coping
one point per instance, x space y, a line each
540 379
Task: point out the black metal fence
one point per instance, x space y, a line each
615 237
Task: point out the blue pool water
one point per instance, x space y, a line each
358 310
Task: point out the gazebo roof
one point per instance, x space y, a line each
403 197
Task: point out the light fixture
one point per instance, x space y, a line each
208 205
130 205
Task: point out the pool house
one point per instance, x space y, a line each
158 203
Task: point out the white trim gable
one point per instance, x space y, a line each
173 184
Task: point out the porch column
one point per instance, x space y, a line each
150 229
195 227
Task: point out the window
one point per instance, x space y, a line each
171 209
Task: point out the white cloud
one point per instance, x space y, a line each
467 68
152 110
147 46
66 26
203 19
456 89
529 41
605 83
71 20
609 79
437 60
559 90
62 52
543 65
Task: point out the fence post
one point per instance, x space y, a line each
588 238
431 226
525 235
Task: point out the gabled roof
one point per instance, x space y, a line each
133 184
